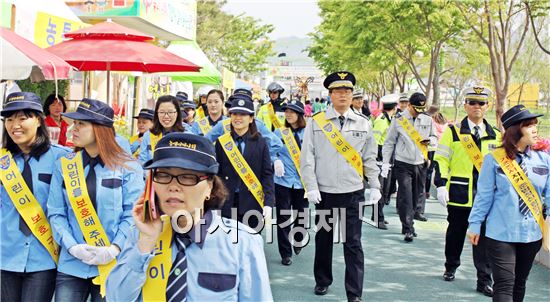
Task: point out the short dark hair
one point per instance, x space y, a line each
157 127
42 141
512 135
50 99
215 91
301 122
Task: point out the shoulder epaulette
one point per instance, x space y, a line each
360 114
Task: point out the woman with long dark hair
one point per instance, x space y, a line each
512 199
26 163
90 204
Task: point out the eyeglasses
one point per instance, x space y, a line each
167 113
473 103
342 91
183 179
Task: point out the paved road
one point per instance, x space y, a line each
394 270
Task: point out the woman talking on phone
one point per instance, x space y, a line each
187 254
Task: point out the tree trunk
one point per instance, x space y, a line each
436 90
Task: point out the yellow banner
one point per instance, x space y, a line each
26 204
86 215
274 120
49 29
226 125
523 187
204 125
154 141
339 142
413 134
292 147
200 112
471 149
243 169
159 268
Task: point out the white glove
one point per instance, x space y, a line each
279 168
267 210
103 255
442 195
374 197
83 252
314 196
385 170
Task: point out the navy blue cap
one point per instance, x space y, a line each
295 106
243 91
186 151
188 104
93 111
20 101
241 103
146 113
418 101
182 96
340 79
517 114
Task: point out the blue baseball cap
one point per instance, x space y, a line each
243 91
186 151
93 111
17 101
146 113
188 104
295 106
182 96
241 103
517 114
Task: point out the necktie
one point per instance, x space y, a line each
523 208
176 289
27 176
477 136
91 180
240 144
297 138
342 121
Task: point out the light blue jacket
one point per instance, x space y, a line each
291 179
116 193
218 269
145 152
19 252
498 202
124 143
196 129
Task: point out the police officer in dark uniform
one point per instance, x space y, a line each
275 90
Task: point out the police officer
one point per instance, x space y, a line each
411 160
144 124
380 129
332 182
403 102
456 180
274 90
28 267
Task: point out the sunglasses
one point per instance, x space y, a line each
474 102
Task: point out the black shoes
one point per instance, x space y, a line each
486 290
408 237
382 226
320 290
420 217
297 250
414 233
354 299
286 261
449 276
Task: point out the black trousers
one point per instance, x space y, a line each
430 171
511 263
454 243
289 200
410 192
353 251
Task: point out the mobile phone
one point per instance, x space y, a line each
150 208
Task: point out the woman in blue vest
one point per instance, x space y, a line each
289 190
254 150
113 181
27 267
512 232
168 118
202 260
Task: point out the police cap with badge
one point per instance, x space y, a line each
238 91
241 103
389 101
185 151
477 94
146 114
517 114
403 97
340 79
17 101
295 106
93 111
418 101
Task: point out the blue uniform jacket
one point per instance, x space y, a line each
124 143
196 129
145 153
256 154
19 252
497 201
217 270
272 140
116 193
291 179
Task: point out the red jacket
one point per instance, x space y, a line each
50 122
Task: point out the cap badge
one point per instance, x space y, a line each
478 90
293 102
342 75
241 103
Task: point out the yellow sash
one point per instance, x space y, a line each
293 149
339 142
159 268
226 125
154 141
413 134
132 140
471 149
86 215
243 169
274 120
26 204
200 112
204 125
523 186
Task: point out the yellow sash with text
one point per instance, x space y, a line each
159 268
226 125
204 125
26 204
86 215
242 168
524 188
471 149
292 147
154 141
339 142
274 120
132 140
413 134
200 112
